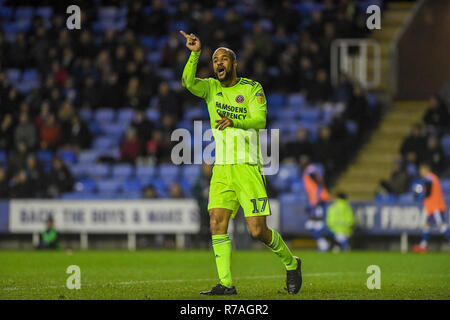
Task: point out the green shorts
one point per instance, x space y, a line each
235 185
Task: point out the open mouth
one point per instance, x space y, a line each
221 71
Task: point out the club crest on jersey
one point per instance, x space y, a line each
260 97
239 99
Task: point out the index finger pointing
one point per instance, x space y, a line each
184 34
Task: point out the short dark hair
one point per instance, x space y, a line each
230 52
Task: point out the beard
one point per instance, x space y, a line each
227 77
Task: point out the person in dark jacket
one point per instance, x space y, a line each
437 114
60 179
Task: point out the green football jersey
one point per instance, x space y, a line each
244 103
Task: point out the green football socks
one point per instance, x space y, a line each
222 250
280 248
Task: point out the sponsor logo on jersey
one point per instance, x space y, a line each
239 98
260 97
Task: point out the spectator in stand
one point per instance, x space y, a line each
320 89
66 113
17 159
299 146
143 126
325 150
77 135
36 176
50 133
175 191
111 93
89 92
60 180
437 115
44 112
149 193
167 102
4 187
25 131
434 155
20 187
415 142
6 132
156 146
358 108
156 22
398 183
13 99
130 148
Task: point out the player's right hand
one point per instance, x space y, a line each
192 42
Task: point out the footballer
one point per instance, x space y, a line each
237 109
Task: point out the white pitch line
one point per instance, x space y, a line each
125 283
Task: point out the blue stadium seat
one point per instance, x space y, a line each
445 185
109 186
153 115
191 172
6 13
113 130
132 185
85 186
88 156
125 116
193 114
148 41
45 157
385 198
24 13
44 12
86 114
310 114
3 157
13 75
122 171
169 172
79 170
145 172
352 127
178 25
30 74
275 101
104 115
186 186
154 57
107 13
94 128
130 195
160 187
68 156
296 100
113 153
297 186
104 143
445 142
73 196
98 171
286 174
406 197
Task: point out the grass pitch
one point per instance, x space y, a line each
183 274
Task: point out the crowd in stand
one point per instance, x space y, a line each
422 145
285 49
